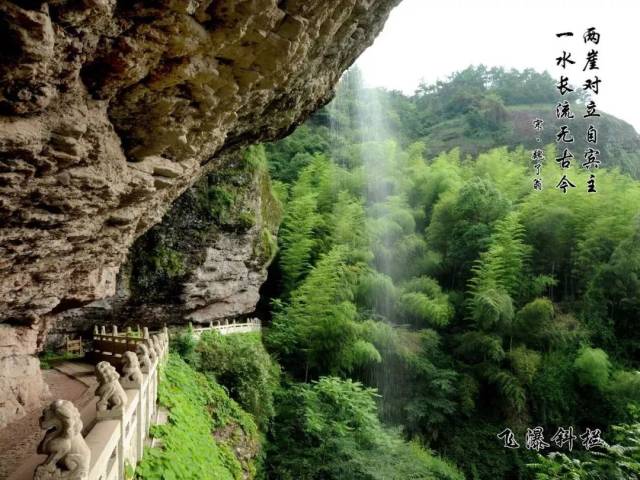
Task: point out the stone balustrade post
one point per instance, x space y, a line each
112 404
132 379
124 412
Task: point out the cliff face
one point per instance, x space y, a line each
110 110
204 262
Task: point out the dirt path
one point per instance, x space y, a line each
19 440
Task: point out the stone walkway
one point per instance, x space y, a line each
72 381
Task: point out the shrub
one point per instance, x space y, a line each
329 429
184 344
243 366
592 367
198 407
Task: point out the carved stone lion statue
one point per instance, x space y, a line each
143 357
68 453
131 368
153 355
112 395
157 345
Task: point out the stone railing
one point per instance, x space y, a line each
226 327
111 346
124 413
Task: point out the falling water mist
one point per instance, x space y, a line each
376 150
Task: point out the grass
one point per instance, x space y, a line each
198 407
49 358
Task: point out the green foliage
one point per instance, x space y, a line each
376 291
500 272
48 358
625 386
491 308
419 309
329 429
297 233
444 280
222 201
184 344
479 347
434 389
240 363
461 225
508 386
554 398
592 367
168 262
615 293
198 407
129 471
524 363
219 199
318 330
534 322
266 247
157 271
620 461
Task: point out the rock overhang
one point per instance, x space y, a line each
110 110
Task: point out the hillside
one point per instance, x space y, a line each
619 142
472 111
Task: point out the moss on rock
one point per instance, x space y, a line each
234 199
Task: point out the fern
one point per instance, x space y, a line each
610 462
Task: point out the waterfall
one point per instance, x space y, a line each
361 140
374 143
376 151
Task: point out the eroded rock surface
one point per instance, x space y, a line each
110 109
205 262
21 385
